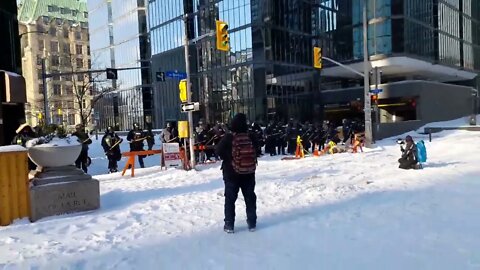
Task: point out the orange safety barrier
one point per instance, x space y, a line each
131 159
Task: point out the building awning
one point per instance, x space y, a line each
407 67
14 86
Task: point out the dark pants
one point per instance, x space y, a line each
281 147
82 160
407 164
140 157
292 146
247 185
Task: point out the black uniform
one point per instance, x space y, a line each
292 133
271 135
136 137
150 138
111 146
257 132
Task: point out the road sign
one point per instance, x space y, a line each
189 107
376 91
176 74
160 76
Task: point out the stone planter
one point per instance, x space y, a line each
54 156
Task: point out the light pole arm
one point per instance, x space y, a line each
344 66
29 32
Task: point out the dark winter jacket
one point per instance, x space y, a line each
108 143
410 152
136 138
84 140
224 148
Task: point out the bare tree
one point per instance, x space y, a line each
89 91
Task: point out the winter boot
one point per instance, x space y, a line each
228 227
251 226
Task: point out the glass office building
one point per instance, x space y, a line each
266 74
268 71
119 39
428 52
440 31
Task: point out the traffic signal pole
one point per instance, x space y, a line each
45 93
189 96
366 84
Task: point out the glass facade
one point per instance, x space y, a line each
266 74
438 31
119 39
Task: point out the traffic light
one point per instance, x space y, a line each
182 86
111 74
374 98
317 57
223 40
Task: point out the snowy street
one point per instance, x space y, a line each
342 211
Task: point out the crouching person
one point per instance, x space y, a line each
239 159
409 154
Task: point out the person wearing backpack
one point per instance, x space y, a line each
409 154
239 160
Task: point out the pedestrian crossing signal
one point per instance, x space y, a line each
317 57
111 73
223 39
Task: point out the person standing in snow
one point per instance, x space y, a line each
85 140
238 153
111 146
136 137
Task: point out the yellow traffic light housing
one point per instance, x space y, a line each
317 57
223 39
182 86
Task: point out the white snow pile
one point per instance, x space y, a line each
12 148
341 211
54 141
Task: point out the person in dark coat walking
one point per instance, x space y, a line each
85 140
111 145
234 181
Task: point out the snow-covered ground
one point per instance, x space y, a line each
342 211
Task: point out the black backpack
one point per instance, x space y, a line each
244 155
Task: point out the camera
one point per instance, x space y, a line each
400 141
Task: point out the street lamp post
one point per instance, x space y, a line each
366 83
44 90
189 97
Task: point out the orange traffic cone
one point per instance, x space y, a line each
315 151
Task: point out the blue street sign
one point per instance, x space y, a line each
176 74
376 91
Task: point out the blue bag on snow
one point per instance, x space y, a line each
421 152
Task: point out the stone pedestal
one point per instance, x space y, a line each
63 190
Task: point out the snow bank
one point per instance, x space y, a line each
12 148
